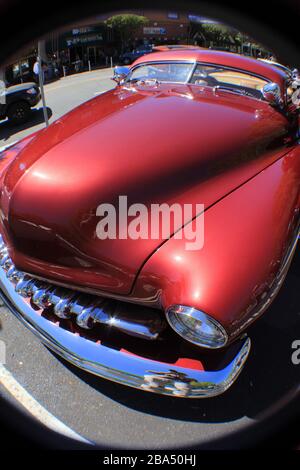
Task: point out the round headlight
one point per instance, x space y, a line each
197 327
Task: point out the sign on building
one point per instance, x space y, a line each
83 39
150 30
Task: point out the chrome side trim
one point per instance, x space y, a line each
268 297
111 364
196 63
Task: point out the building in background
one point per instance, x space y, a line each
92 43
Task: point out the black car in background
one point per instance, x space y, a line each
16 101
130 56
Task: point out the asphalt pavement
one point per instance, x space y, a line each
113 415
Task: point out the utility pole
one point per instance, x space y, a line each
2 86
41 81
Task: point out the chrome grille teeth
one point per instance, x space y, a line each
14 275
78 303
27 287
63 302
55 294
87 310
7 265
87 313
99 314
41 297
5 262
23 286
61 309
85 319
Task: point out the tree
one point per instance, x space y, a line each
217 33
126 25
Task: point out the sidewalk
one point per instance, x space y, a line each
100 74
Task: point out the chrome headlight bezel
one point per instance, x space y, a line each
176 314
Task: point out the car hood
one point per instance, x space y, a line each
161 144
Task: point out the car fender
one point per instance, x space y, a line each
247 236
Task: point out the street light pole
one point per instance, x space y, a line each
41 84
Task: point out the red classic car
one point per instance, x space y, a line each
213 132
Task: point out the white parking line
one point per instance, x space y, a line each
8 381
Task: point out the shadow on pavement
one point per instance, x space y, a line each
7 129
268 374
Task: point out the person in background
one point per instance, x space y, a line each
36 70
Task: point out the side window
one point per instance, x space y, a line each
209 75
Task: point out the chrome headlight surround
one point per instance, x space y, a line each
196 327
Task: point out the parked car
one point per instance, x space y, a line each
130 56
181 128
16 102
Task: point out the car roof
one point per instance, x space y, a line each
228 59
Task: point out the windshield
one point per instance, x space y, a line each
164 72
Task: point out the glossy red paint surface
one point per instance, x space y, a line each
168 144
56 183
11 152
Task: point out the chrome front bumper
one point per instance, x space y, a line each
117 365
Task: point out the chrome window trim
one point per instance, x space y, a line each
196 63
227 67
234 69
192 72
209 64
